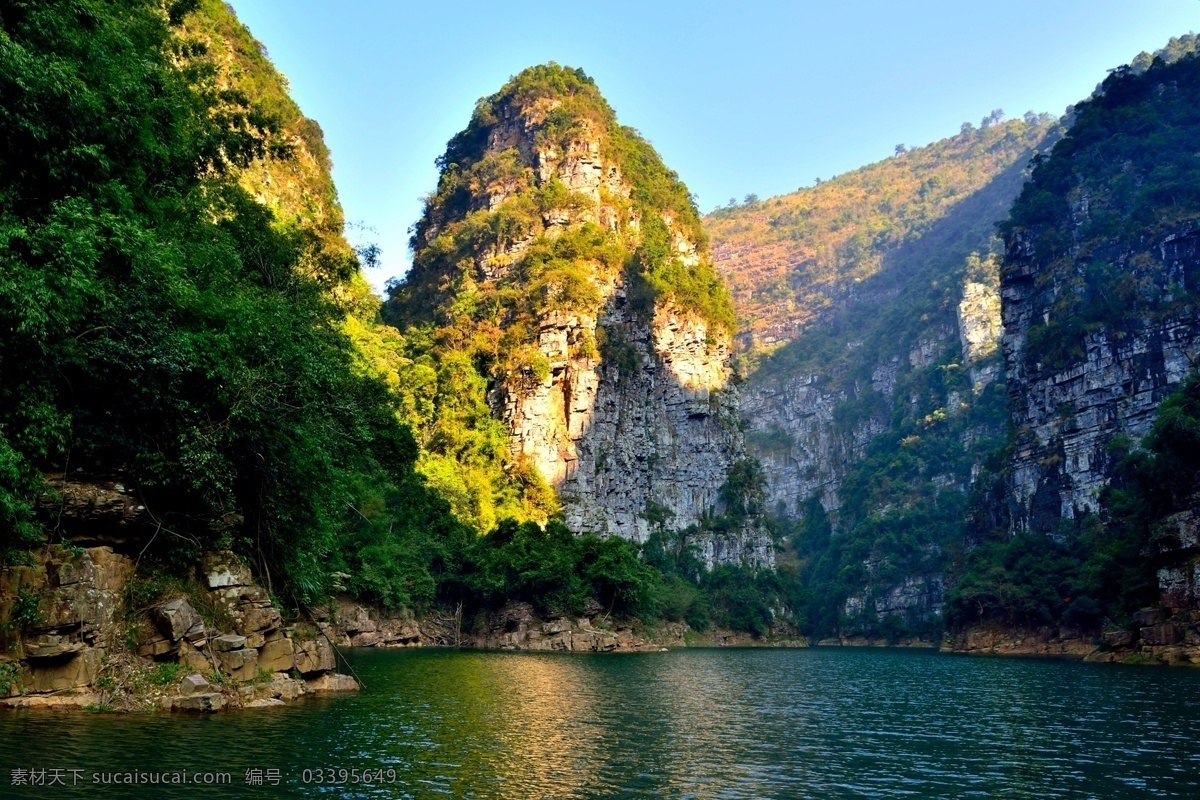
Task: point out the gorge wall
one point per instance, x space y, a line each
1070 404
874 381
568 264
1099 288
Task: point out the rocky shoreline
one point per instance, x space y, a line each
1152 636
517 627
74 636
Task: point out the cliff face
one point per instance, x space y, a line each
1099 289
845 320
1067 412
607 367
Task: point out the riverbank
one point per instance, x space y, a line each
516 626
82 629
1152 636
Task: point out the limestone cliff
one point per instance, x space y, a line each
1067 411
568 264
1094 533
1099 290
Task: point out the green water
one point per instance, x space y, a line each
818 723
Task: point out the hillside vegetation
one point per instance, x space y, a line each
853 288
166 326
501 249
793 259
1090 223
183 320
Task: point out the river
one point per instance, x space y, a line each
737 723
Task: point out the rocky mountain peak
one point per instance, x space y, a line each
568 263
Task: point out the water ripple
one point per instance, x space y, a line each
736 724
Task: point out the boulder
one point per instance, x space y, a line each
264 702
1118 638
240 665
194 684
49 647
258 617
1148 616
157 648
229 641
314 655
330 683
278 655
55 676
223 568
193 659
1160 634
205 703
178 620
284 687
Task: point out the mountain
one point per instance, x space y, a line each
874 389
576 336
1099 287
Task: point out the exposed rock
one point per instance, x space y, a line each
313 655
1062 643
264 702
1067 415
177 620
78 671
284 688
193 684
52 648
277 656
203 703
979 329
223 568
331 683
634 410
241 665
230 641
54 702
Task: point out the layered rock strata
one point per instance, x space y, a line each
1067 415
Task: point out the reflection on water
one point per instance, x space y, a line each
821 723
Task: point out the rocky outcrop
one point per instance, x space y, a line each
913 598
660 432
1152 636
1067 414
1046 642
794 433
71 639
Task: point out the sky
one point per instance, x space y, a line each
738 98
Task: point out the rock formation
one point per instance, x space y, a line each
72 636
609 368
1067 413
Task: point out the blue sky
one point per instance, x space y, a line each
748 97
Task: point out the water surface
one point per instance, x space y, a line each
817 723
